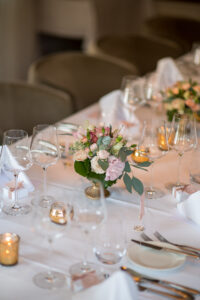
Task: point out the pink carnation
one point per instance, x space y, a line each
115 168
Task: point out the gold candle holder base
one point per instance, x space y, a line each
93 192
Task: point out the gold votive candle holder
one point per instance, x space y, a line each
9 247
61 213
140 155
162 136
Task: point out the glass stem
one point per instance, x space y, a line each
85 253
45 181
15 204
50 276
180 155
151 177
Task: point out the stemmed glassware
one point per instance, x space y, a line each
15 158
50 222
183 137
88 215
150 147
45 153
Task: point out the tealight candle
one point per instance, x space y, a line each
9 245
140 155
59 214
162 143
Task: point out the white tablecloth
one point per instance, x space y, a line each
16 282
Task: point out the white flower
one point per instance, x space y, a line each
93 147
95 166
178 104
103 154
80 155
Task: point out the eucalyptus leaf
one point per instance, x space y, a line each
128 182
127 167
137 185
106 140
103 164
144 164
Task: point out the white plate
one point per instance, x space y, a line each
147 258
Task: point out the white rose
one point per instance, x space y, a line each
80 155
178 104
95 166
103 154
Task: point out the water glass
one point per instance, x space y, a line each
110 242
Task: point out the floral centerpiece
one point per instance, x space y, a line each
100 153
183 98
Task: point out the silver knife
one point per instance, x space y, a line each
164 282
177 251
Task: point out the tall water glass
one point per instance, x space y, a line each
44 155
15 158
88 215
184 138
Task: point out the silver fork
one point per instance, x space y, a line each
187 248
145 237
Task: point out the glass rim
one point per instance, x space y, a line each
6 133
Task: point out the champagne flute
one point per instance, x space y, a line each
88 214
50 222
44 137
183 138
15 158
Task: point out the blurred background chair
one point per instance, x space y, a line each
185 31
24 105
85 77
140 51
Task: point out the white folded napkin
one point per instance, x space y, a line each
190 207
167 73
114 112
119 286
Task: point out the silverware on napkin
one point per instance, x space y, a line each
177 251
161 293
143 278
184 247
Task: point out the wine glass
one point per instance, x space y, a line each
131 90
183 138
15 158
50 222
45 153
151 148
110 243
88 215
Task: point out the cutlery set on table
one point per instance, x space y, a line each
164 288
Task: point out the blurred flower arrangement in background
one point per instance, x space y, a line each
183 98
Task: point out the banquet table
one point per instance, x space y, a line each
162 215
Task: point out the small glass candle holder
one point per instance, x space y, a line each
162 138
9 246
61 213
140 155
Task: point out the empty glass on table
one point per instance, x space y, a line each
16 158
50 222
88 215
45 153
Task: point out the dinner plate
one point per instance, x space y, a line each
147 258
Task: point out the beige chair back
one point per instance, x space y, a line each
25 105
85 77
140 51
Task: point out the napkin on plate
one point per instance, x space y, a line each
167 73
119 286
190 207
114 112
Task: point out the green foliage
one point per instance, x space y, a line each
137 185
128 182
103 164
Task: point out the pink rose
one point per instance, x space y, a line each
194 106
185 86
93 147
80 155
115 168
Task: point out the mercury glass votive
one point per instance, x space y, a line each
140 155
9 246
61 213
